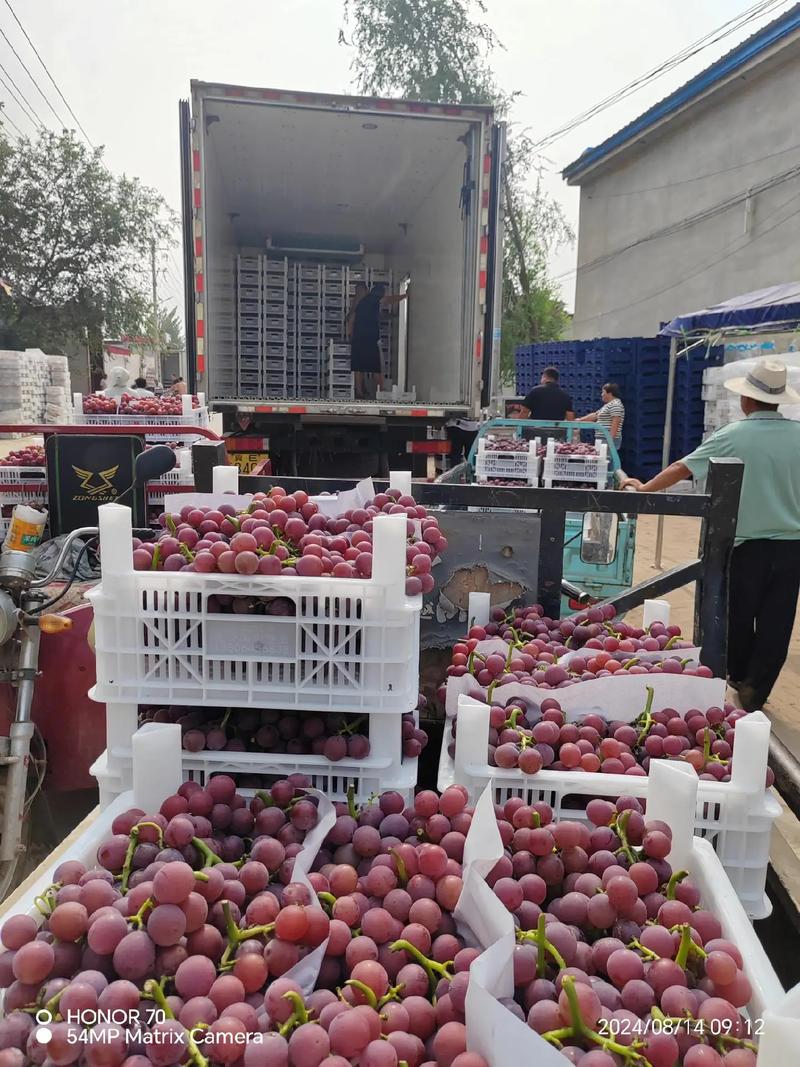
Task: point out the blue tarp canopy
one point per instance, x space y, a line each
775 308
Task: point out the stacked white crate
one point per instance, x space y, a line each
340 377
351 647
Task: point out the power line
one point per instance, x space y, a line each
27 107
38 87
47 72
4 118
713 37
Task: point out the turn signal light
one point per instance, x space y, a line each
54 624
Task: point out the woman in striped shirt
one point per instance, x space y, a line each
611 414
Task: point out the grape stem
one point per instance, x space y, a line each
327 900
298 1017
46 903
154 991
434 970
648 953
133 841
351 801
393 993
686 946
210 859
511 721
671 643
138 918
674 882
237 936
579 1028
170 523
402 870
646 718
156 558
543 945
621 830
363 988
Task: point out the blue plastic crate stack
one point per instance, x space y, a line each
639 365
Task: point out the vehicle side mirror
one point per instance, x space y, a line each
599 538
154 462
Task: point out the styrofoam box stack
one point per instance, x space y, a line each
519 465
24 377
722 406
572 467
350 646
58 394
736 816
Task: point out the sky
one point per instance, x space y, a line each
124 65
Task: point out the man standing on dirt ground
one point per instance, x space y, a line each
765 565
365 335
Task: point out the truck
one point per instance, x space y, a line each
289 199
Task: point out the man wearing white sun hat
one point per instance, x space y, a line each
765 565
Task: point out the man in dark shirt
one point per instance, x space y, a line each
548 400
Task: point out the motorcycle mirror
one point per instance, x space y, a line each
154 462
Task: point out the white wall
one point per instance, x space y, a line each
432 253
749 132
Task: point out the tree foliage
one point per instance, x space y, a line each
74 242
436 50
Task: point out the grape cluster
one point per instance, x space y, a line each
334 736
539 736
567 448
97 404
191 923
31 456
153 405
506 444
285 533
536 644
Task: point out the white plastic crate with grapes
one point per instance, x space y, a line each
254 636
581 463
455 966
736 816
507 459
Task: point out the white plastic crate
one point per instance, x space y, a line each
352 644
16 475
384 768
567 467
737 816
190 416
505 1040
518 465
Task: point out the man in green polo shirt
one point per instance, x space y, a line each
765 565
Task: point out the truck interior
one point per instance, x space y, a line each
394 192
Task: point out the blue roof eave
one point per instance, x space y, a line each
725 67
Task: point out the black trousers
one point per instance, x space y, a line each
764 585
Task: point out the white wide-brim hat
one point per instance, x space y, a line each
765 382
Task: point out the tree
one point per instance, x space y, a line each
74 242
435 50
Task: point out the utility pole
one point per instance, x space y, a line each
159 375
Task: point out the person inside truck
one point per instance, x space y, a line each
365 332
178 387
